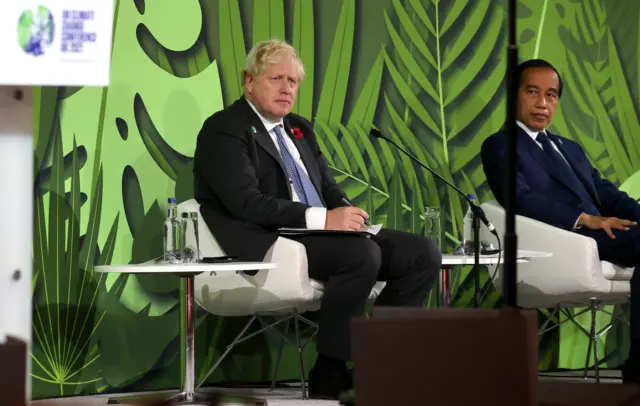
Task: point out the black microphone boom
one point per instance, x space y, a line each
478 214
474 207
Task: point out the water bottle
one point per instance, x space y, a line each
172 234
467 231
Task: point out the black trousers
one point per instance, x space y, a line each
624 250
351 265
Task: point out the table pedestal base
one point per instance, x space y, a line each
187 396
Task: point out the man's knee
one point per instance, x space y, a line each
423 253
366 258
430 257
433 253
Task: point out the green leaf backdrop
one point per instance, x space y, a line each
428 73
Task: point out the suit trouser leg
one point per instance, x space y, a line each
410 266
351 265
634 317
348 265
624 250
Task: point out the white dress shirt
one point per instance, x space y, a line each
315 216
533 135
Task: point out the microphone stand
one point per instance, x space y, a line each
510 236
478 214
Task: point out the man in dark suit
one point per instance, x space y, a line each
557 184
258 167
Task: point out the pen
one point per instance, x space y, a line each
366 221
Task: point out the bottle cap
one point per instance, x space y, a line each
172 200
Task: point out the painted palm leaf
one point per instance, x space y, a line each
66 289
304 42
447 76
598 111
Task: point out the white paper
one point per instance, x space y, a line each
373 229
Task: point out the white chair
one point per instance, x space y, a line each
286 291
574 276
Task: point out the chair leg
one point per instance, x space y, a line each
594 339
586 365
277 367
543 329
227 350
296 325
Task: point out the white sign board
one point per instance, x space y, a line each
55 42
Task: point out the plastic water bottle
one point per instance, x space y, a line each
467 231
172 234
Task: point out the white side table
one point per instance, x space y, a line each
451 260
187 396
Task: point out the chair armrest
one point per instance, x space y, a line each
233 294
574 266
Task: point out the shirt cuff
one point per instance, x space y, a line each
316 218
575 225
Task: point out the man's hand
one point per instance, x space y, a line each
345 218
605 223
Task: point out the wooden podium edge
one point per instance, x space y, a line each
13 370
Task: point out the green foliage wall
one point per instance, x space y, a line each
429 73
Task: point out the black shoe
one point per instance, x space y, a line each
631 368
329 383
631 373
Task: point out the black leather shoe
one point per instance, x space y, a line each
631 373
328 384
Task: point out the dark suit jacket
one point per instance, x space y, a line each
241 185
543 192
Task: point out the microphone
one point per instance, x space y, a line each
477 211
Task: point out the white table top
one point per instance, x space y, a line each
186 268
522 256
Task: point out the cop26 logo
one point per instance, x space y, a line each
35 30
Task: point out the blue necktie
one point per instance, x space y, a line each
300 181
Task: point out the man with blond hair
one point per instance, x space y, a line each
258 168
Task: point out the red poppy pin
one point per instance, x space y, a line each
296 133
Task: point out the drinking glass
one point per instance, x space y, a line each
191 241
433 225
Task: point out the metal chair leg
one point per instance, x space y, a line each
543 329
277 367
296 324
227 350
594 339
593 335
586 364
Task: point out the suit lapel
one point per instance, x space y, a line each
580 174
263 138
533 149
261 135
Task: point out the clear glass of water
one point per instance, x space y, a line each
433 225
191 243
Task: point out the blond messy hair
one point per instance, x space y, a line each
270 52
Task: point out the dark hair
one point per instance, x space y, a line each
537 63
